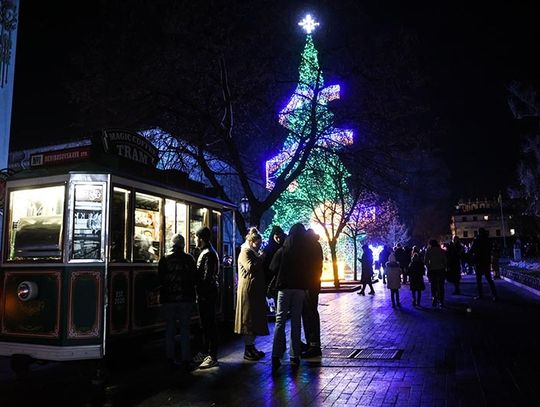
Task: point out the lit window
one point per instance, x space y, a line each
120 234
147 239
512 232
486 217
35 223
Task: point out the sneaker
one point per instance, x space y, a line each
372 293
208 362
312 352
199 358
260 353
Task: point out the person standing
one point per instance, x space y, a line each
250 319
207 295
435 260
367 270
416 272
310 311
495 257
292 281
177 273
454 253
383 259
275 241
403 260
481 253
393 279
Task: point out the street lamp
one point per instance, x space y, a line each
245 207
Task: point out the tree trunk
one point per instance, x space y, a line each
333 253
355 259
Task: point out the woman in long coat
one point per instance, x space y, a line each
367 270
251 320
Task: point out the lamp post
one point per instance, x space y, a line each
245 208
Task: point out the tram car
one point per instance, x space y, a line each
84 229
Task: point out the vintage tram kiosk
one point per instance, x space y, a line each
80 251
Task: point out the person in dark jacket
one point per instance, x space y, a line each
383 259
275 241
416 271
436 263
454 253
367 270
207 295
310 311
292 280
177 294
481 255
403 259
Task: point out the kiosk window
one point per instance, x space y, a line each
87 222
170 217
175 221
147 239
120 225
181 220
35 229
198 218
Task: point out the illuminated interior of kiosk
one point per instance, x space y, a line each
36 217
147 239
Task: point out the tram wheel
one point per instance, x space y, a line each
20 364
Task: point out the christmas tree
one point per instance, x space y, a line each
306 116
319 197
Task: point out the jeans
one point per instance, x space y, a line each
483 270
436 279
288 300
311 318
181 312
207 313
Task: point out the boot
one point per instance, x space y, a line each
250 353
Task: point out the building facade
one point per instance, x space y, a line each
469 216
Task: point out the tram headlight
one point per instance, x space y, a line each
27 290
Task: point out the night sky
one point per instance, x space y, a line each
469 52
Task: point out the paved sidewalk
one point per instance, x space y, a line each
451 357
489 356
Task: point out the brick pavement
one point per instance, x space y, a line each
450 357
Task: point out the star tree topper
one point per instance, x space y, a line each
308 24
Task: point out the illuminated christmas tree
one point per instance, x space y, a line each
306 117
319 197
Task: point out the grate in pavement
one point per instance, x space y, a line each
339 352
389 354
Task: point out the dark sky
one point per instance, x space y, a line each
469 52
